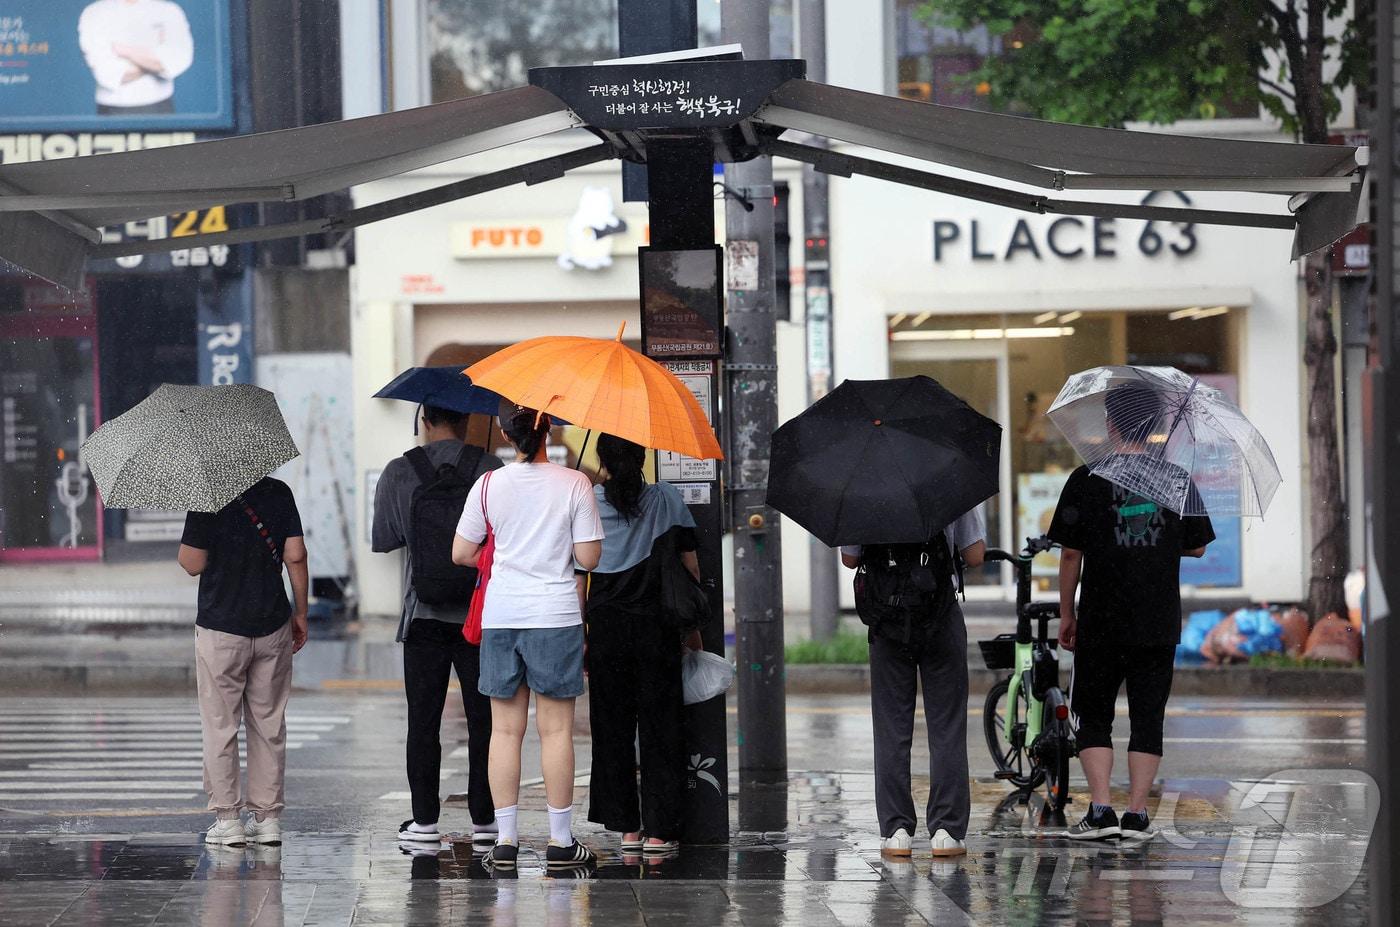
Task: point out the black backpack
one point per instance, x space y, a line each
901 586
432 524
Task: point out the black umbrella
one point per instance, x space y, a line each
883 462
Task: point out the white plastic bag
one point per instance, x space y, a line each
704 675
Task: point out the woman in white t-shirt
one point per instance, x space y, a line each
544 520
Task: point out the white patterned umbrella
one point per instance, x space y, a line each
189 448
1167 436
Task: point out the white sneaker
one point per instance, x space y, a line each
897 844
945 844
421 833
268 831
484 834
226 832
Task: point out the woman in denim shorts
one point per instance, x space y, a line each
544 520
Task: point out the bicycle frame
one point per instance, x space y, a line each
1025 657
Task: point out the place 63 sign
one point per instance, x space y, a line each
1066 238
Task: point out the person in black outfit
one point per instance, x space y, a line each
1128 620
634 655
433 642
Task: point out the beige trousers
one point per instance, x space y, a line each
244 679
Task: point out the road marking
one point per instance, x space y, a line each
98 796
119 764
40 725
101 737
1268 741
94 748
396 796
123 716
1147 875
114 784
115 773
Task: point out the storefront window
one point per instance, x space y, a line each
1010 367
48 506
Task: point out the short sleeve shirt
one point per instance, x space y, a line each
241 590
1130 592
538 512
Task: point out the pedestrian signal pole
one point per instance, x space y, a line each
751 367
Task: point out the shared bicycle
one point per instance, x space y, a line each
1026 717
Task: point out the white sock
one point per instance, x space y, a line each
423 828
560 825
505 825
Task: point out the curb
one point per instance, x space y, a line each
1342 683
21 677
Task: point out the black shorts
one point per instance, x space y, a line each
1100 669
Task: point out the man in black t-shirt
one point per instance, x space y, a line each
246 632
1128 620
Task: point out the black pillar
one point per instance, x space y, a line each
650 27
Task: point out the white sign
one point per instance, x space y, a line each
694 493
741 265
698 376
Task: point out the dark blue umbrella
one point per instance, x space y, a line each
444 387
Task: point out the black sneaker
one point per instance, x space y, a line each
501 856
1136 828
572 857
1095 826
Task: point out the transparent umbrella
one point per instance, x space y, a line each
1169 437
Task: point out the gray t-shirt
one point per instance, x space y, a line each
393 500
970 528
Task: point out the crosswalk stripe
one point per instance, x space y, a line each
65 715
113 784
99 796
6 730
121 764
121 735
128 751
148 771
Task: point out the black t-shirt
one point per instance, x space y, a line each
637 589
240 590
1130 591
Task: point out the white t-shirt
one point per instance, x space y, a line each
538 512
969 528
158 26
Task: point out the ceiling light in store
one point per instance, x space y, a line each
981 334
898 319
1070 317
1180 314
921 318
1045 317
1212 311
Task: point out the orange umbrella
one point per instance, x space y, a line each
602 385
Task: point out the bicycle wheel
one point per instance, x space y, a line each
1010 756
1055 763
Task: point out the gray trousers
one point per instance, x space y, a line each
940 661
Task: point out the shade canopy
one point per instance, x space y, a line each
51 211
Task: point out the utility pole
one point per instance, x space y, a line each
678 185
825 581
1383 509
752 369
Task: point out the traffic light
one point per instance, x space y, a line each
782 240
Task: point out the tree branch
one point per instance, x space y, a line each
1276 88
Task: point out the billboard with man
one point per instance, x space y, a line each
102 65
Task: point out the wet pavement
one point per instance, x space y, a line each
1264 810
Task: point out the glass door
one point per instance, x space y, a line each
48 407
977 373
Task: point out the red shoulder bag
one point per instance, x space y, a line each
471 629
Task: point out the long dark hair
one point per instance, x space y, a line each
623 460
525 427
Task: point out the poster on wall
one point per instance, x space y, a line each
314 392
115 65
681 302
1037 494
1221 566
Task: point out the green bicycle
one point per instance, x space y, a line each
1026 717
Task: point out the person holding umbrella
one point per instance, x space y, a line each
542 520
893 472
1121 550
208 450
417 501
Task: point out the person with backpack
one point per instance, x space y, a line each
245 634
539 522
907 594
635 643
417 502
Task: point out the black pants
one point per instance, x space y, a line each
634 696
938 659
1100 669
431 651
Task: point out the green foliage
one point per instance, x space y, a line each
1108 62
1284 661
844 647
